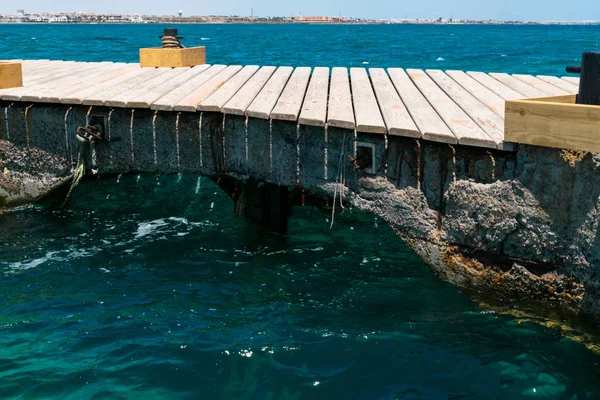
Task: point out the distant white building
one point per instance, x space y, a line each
58 19
21 13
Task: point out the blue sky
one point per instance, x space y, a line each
463 9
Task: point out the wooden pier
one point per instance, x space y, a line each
453 107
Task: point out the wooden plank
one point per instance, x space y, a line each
551 124
100 98
290 102
194 99
366 110
314 109
517 85
39 81
463 127
55 95
145 99
168 101
571 79
495 86
65 77
53 72
490 99
340 112
266 99
395 114
82 94
33 71
488 121
564 85
428 121
238 104
566 99
540 85
125 97
218 99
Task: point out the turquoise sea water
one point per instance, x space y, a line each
515 49
150 287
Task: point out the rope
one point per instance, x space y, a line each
337 181
80 169
171 42
87 136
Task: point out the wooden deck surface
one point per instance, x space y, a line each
453 107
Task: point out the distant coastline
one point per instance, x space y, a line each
88 18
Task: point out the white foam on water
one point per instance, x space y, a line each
157 226
440 59
147 228
25 265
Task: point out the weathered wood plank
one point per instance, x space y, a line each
340 111
465 129
366 110
238 104
428 121
167 102
80 95
517 85
41 80
480 92
540 85
571 79
564 85
289 104
145 99
314 109
125 97
56 94
495 86
218 99
395 114
194 99
62 78
489 121
264 102
100 98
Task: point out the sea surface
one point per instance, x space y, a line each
527 49
150 287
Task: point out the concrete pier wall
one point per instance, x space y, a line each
517 226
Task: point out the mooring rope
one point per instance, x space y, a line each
86 136
171 42
337 181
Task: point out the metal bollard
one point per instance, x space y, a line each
589 82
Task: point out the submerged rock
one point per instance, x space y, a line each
27 175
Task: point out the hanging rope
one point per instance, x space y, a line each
87 136
338 180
